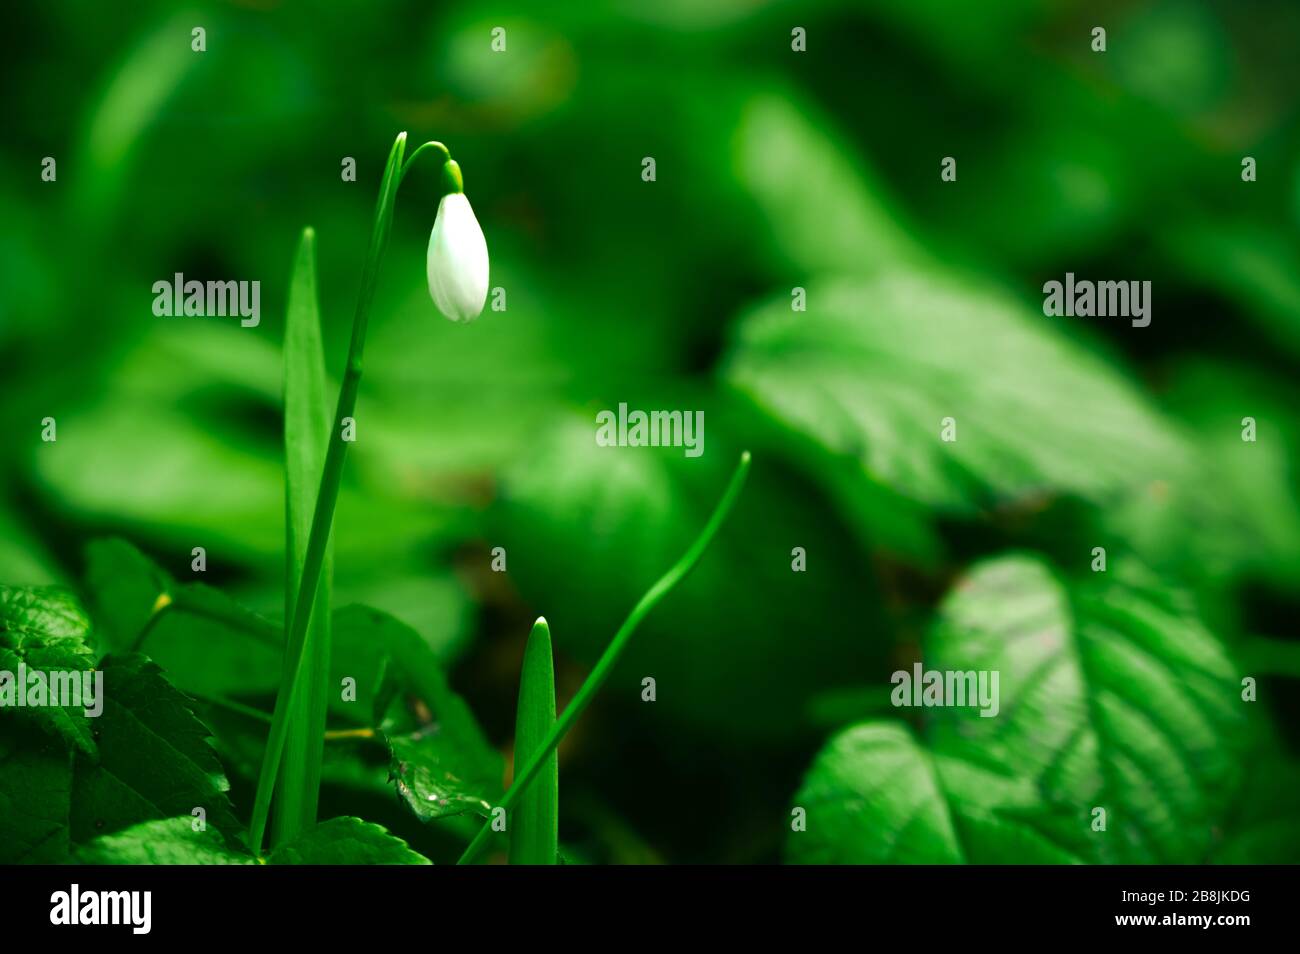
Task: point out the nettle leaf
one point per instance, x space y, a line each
167 841
45 630
206 642
873 368
174 841
1112 695
35 791
155 759
347 841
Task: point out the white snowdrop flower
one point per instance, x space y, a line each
458 256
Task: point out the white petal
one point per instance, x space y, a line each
458 260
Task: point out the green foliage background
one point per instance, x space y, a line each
775 169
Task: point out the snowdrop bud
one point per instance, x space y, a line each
458 256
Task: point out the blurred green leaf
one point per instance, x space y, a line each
872 370
824 211
875 795
1237 514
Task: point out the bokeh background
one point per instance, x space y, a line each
776 169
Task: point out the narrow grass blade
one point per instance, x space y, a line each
534 825
322 520
306 439
609 658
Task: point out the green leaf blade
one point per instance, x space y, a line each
534 827
306 441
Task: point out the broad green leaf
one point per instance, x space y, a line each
208 644
155 760
35 789
167 841
211 645
44 630
173 841
873 369
346 841
1112 695
534 825
168 454
306 440
128 106
723 660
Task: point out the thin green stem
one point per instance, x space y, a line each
230 705
327 498
608 659
244 621
161 609
432 144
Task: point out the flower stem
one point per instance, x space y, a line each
327 498
609 657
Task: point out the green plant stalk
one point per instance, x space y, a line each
535 827
306 437
247 622
327 497
605 665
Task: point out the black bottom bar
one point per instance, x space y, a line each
219 905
